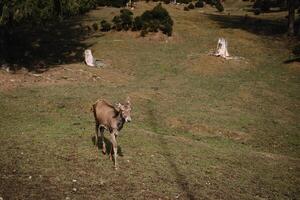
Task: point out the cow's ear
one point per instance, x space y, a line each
128 101
120 106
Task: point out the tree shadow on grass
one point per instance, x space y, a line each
39 48
254 25
181 179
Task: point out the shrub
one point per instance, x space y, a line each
123 21
257 11
210 2
184 1
257 4
167 1
191 6
95 26
219 6
157 19
113 3
154 26
199 4
137 24
263 5
167 29
117 23
126 18
144 32
186 8
150 21
296 50
105 26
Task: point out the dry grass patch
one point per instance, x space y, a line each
204 130
64 74
206 64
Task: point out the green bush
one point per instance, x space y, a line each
219 6
154 26
105 26
184 1
263 5
216 3
167 29
161 14
199 4
117 23
167 1
257 11
144 32
296 50
95 26
191 6
137 24
126 18
113 3
157 19
123 21
150 21
210 2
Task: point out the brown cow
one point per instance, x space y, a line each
112 119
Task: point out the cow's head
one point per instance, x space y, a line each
125 110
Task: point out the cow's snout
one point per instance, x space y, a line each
128 119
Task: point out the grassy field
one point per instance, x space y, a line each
203 127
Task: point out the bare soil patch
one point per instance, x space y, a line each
64 74
150 37
294 67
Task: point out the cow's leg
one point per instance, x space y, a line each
115 147
102 139
96 134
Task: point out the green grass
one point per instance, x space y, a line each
232 133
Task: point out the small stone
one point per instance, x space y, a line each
68 198
30 177
101 182
1 198
74 189
74 180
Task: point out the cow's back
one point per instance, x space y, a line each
103 112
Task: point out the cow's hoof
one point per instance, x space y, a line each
104 152
116 168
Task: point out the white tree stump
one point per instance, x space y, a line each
222 50
88 58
